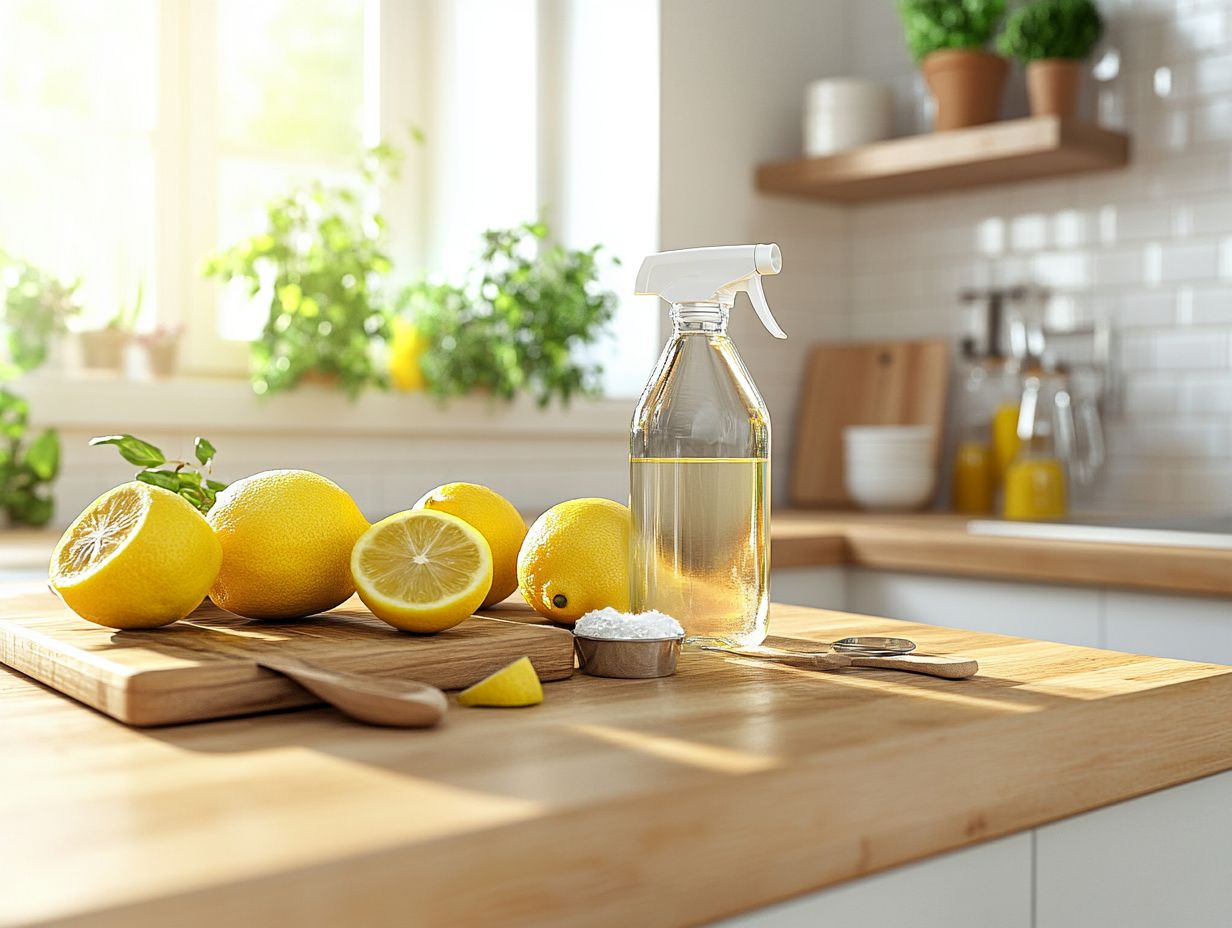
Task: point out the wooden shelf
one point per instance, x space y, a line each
1001 152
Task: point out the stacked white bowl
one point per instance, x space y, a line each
890 467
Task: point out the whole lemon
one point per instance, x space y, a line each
138 557
576 558
286 541
495 518
406 348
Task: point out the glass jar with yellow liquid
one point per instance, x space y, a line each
1035 480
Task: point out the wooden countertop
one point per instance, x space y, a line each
724 788
939 543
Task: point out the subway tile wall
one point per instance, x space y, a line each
1149 248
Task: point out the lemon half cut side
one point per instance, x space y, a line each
138 557
422 570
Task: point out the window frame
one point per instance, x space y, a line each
403 51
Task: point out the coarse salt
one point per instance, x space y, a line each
612 623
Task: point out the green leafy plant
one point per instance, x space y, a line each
1051 29
27 468
933 25
319 270
518 322
190 479
125 318
37 307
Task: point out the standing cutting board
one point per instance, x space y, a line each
202 667
862 383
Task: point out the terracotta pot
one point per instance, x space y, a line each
162 354
319 378
967 86
1052 86
103 349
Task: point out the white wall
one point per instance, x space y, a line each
732 85
1149 248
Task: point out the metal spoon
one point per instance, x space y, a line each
874 645
367 698
882 653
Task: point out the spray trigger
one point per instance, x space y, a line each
757 297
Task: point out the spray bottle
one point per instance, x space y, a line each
699 453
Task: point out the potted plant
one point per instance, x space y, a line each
515 325
162 348
37 307
103 349
1052 38
318 270
949 38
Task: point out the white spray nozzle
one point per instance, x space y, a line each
713 275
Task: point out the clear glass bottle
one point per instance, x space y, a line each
699 468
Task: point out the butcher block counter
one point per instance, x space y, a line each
939 543
725 788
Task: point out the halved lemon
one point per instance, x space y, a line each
513 686
137 557
422 570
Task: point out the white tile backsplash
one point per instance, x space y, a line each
1149 247
1188 351
1184 261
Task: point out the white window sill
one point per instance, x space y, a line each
106 403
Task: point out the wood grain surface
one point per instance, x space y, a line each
862 383
651 802
1009 150
939 543
205 666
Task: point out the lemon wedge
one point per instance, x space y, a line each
514 685
422 570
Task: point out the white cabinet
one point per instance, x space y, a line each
977 887
1159 860
819 587
1052 613
1190 628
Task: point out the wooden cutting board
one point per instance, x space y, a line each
862 383
202 667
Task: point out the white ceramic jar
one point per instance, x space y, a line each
844 112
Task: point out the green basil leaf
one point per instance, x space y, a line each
193 495
204 450
43 455
160 478
133 450
215 485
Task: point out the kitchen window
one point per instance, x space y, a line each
140 135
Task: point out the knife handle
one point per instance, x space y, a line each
949 668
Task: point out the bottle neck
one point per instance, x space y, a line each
700 318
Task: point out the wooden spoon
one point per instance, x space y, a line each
367 698
949 668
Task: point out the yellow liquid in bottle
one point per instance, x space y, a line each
974 480
701 545
1034 489
1005 441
